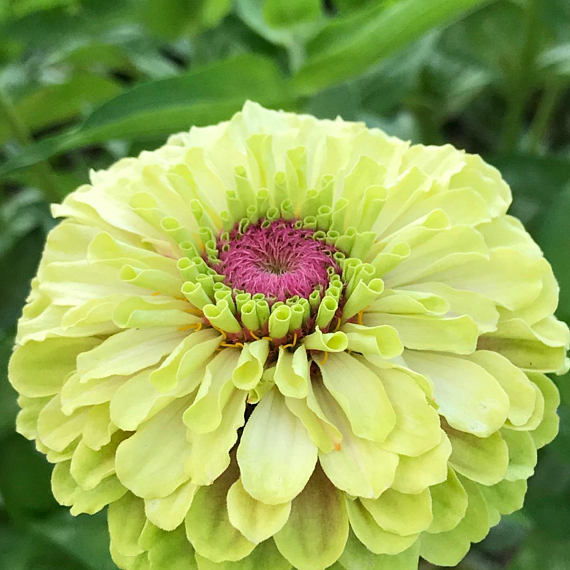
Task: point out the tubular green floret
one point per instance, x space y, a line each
362 296
195 293
279 321
221 316
326 312
249 316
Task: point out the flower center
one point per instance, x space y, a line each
276 259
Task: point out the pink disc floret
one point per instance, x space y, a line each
277 259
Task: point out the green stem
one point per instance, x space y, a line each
520 87
543 116
42 170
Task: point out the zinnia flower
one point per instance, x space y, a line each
284 342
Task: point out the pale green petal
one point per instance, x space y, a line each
517 278
519 389
126 521
98 429
137 312
448 503
381 340
172 551
186 359
546 431
425 332
34 372
356 555
447 250
414 474
68 492
89 467
401 513
329 342
368 409
209 453
56 430
482 459
292 375
208 527
265 555
409 302
468 396
169 512
27 418
76 394
528 348
461 302
159 475
275 455
357 466
127 352
257 521
448 548
315 533
205 413
522 454
372 535
322 432
249 368
506 497
417 428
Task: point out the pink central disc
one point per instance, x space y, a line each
279 261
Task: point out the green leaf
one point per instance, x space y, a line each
348 46
202 96
53 104
283 14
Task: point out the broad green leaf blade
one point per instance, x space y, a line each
202 96
349 46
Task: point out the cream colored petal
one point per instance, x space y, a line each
360 394
127 352
292 375
209 453
276 456
417 428
357 466
205 413
148 467
469 398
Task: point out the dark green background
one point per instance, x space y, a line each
85 82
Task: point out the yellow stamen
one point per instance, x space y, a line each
338 322
155 293
254 335
360 317
325 358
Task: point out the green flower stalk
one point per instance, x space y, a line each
280 342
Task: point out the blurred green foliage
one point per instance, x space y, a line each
85 82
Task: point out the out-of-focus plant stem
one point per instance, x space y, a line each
543 116
519 85
42 170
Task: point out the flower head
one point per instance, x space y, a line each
282 342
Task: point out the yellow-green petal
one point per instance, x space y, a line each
317 529
257 521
